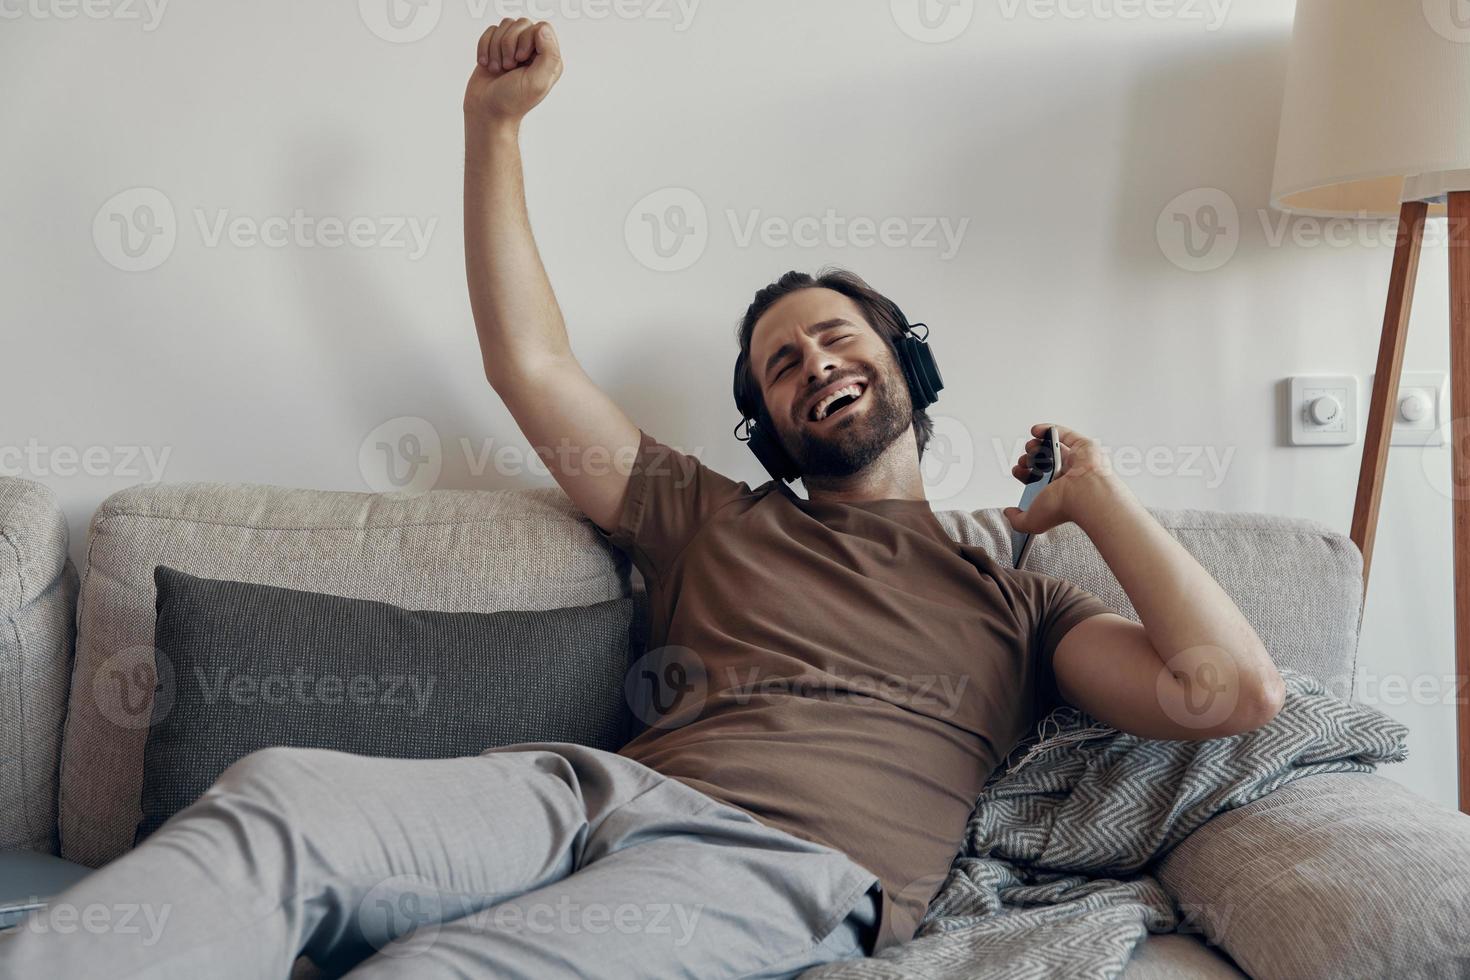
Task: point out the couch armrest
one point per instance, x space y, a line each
1331 875
38 595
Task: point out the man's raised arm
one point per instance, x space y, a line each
584 437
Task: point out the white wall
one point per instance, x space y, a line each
1060 139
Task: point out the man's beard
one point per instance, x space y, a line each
854 443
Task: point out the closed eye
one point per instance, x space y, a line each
789 364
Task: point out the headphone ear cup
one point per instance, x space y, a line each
736 387
767 448
910 371
928 369
921 371
772 454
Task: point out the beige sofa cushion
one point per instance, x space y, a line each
1299 583
451 550
1333 875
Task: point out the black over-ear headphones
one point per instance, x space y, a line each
919 370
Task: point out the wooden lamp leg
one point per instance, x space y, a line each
1380 429
1459 227
1386 379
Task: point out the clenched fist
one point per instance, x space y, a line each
519 62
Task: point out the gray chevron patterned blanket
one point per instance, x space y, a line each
1049 881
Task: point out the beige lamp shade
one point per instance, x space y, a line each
1377 107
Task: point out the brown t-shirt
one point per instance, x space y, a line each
847 673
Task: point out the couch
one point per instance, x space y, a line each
71 761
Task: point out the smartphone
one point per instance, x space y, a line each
1046 465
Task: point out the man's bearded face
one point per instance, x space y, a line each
832 386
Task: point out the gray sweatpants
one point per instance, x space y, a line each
541 859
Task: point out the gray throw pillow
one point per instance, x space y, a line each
242 666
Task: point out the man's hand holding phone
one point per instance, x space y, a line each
1084 480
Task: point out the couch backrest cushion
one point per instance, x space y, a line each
1298 582
451 550
38 593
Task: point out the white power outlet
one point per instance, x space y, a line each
1324 410
1423 406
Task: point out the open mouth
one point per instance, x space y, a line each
837 403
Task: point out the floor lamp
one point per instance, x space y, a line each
1375 123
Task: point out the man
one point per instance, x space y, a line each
835 678
857 582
